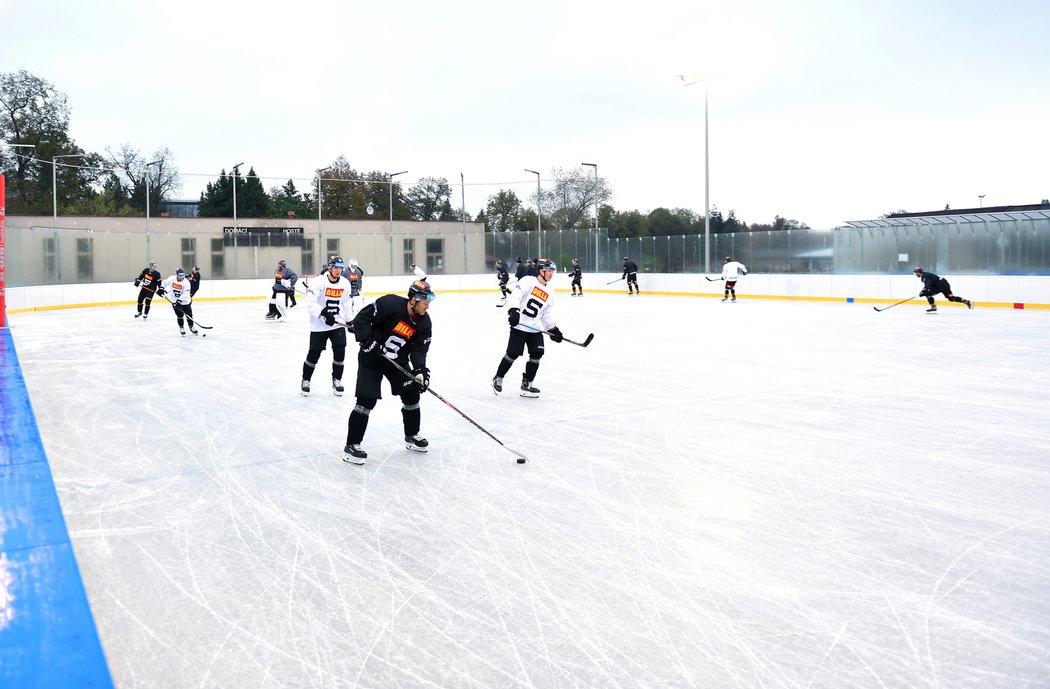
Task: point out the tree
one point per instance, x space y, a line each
429 199
629 224
502 211
664 223
287 198
574 195
252 201
130 184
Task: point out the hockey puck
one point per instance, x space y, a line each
521 460
204 335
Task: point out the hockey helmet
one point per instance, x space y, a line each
546 264
180 272
626 259
152 264
336 262
282 263
727 259
575 260
918 270
420 289
353 262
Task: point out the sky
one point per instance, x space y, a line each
821 112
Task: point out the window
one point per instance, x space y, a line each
50 265
408 252
218 258
332 247
308 265
189 252
435 255
85 264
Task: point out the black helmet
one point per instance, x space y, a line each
420 289
575 260
918 270
282 263
336 262
626 259
180 271
727 259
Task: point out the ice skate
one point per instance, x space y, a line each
304 388
969 304
497 385
353 454
416 442
138 314
194 330
932 309
337 387
527 390
182 331
725 299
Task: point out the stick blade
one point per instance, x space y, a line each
588 340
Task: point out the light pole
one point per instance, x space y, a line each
320 236
148 165
707 173
54 207
392 176
595 166
234 178
539 224
981 198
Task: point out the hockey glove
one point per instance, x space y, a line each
327 316
514 317
161 292
422 376
368 344
555 334
137 282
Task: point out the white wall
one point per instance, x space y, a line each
987 291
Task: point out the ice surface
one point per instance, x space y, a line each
759 494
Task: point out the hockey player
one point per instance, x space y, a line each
731 272
181 298
577 276
327 302
503 277
356 276
399 329
934 284
284 279
529 318
419 273
195 280
630 273
148 281
519 272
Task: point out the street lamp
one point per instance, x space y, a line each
539 224
707 173
54 207
981 197
235 273
320 237
392 176
148 165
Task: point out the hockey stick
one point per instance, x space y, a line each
714 279
165 298
586 341
616 280
892 305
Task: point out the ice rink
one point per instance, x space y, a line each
758 495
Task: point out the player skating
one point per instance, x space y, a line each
577 275
284 279
327 302
731 272
529 318
181 299
148 281
934 284
194 277
630 273
391 328
356 275
503 277
419 273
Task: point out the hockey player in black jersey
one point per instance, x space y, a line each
148 281
504 277
577 275
935 284
399 329
630 273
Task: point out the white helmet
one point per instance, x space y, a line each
353 262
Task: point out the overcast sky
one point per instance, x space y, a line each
824 111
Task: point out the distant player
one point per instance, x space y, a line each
577 275
356 275
519 272
630 273
731 272
503 277
399 329
419 273
284 279
148 281
195 280
529 318
181 299
934 284
327 302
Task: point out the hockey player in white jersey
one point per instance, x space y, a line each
731 272
328 303
529 317
181 298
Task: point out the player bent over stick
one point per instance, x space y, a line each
529 319
935 284
391 329
327 302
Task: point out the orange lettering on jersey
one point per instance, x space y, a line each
333 292
540 294
404 329
278 276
